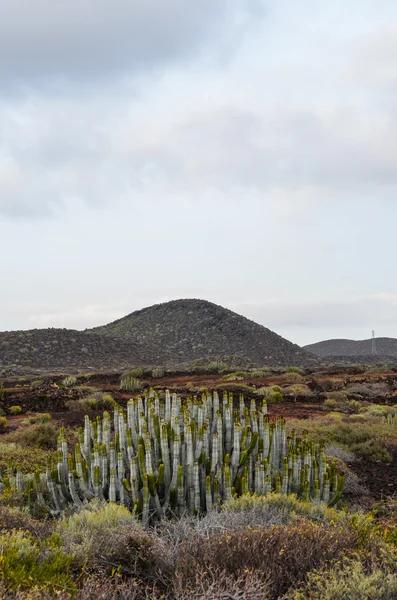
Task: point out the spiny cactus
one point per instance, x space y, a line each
130 383
170 456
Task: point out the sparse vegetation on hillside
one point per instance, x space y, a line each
196 329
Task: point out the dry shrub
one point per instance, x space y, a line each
280 556
106 536
348 580
14 518
330 385
41 435
94 588
212 584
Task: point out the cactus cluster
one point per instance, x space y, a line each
169 456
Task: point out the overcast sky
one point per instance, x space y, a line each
240 151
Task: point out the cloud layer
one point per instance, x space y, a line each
244 152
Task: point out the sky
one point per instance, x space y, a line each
239 151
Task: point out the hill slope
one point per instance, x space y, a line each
66 349
189 330
384 347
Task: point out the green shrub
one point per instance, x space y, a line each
1 390
108 536
158 373
15 410
69 381
34 459
3 424
38 418
349 580
96 402
293 370
26 563
367 437
134 372
216 366
41 435
258 373
339 401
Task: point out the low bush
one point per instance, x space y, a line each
34 459
108 536
340 402
96 402
25 563
349 580
280 556
3 424
366 437
15 410
158 373
41 435
38 418
69 381
16 519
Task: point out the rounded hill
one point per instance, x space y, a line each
190 330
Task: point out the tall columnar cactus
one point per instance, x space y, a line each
167 456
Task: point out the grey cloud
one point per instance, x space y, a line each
86 39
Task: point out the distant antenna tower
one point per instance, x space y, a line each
373 345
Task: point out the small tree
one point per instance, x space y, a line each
296 390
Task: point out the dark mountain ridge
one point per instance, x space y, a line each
384 346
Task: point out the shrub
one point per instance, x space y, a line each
216 365
69 381
35 458
349 580
41 435
134 372
297 390
107 535
27 563
158 373
272 394
339 401
17 519
38 418
96 402
281 556
15 410
366 437
258 373
288 377
3 424
1 390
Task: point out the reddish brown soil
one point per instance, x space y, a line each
379 478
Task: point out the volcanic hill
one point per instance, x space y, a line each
180 332
190 330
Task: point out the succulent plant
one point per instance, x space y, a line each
162 457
